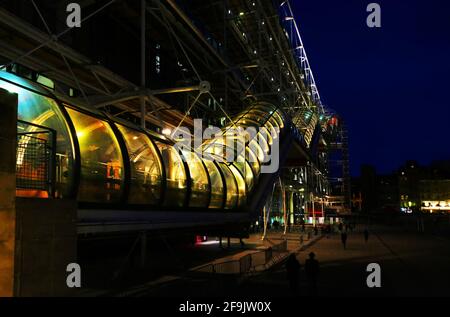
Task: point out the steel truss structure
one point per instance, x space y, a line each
187 59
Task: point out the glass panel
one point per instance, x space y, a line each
226 152
217 189
253 160
240 184
260 113
265 107
269 120
277 115
274 122
176 178
101 159
146 169
232 191
43 111
269 126
255 147
246 122
262 141
245 170
258 118
266 134
199 180
258 126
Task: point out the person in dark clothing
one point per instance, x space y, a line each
340 227
366 235
316 230
312 272
344 239
293 272
328 231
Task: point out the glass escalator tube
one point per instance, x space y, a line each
101 175
145 165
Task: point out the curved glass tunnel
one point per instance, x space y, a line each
104 160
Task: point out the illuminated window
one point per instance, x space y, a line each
101 159
45 81
146 169
176 179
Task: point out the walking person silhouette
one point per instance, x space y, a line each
312 272
344 239
366 235
293 272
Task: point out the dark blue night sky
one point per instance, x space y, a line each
390 84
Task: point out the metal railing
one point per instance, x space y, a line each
35 158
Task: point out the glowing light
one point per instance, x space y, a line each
166 131
10 87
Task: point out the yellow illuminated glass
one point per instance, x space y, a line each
176 179
240 184
255 147
246 171
199 180
232 195
101 159
146 169
217 189
43 111
253 160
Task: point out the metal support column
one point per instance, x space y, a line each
143 73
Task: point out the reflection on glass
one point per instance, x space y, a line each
253 160
146 169
261 138
199 180
246 171
217 189
240 184
273 122
101 159
232 191
223 147
266 134
256 148
248 122
279 118
176 179
42 111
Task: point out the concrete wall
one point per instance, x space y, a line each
38 237
8 140
46 242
